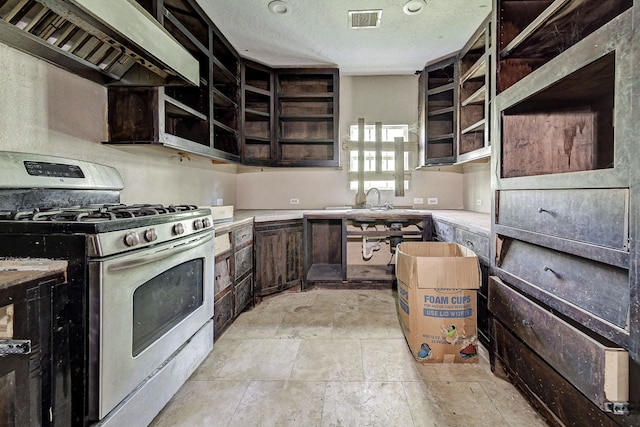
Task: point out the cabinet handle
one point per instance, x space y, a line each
469 242
552 271
527 323
540 210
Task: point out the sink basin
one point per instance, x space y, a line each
363 220
401 221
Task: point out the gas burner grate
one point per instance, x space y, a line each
93 213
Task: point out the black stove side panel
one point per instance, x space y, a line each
45 198
69 341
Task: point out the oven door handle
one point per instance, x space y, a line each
162 254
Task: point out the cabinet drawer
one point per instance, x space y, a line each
594 216
443 231
222 274
243 261
243 235
476 242
597 288
222 312
556 399
243 294
599 370
222 243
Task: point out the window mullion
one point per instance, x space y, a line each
361 198
378 146
399 168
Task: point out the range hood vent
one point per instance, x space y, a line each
113 42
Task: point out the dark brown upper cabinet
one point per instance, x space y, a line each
201 120
531 33
242 111
454 104
307 117
257 114
437 109
474 140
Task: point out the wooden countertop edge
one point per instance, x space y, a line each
20 270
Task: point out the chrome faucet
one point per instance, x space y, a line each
378 191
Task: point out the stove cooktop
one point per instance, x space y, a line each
95 219
92 213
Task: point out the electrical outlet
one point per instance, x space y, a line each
418 201
478 202
432 201
294 201
219 202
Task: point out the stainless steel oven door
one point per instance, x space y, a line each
143 306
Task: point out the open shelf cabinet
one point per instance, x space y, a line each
257 114
199 119
565 209
475 95
531 33
438 91
307 117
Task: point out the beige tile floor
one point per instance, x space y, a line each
336 358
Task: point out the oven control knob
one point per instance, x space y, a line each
178 229
197 224
150 235
206 222
131 239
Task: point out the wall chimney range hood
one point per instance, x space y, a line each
114 42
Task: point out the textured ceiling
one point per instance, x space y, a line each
316 33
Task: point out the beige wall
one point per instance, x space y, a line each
477 186
46 110
389 99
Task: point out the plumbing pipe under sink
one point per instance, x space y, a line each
368 247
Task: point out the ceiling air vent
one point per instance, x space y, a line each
364 18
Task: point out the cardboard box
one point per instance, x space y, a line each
437 286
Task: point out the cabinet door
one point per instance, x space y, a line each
293 251
243 293
270 258
278 256
222 312
223 277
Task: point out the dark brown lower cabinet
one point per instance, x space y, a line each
572 376
445 231
278 256
233 285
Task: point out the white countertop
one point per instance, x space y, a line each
478 221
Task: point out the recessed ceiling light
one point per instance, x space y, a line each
278 7
413 7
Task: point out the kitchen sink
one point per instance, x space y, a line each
364 220
402 221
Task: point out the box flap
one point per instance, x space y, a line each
437 265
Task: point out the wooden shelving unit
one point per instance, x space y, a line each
564 211
307 117
202 120
257 109
531 33
475 95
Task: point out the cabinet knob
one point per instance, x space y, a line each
527 323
